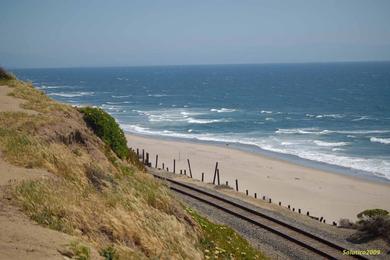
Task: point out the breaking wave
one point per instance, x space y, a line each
329 144
380 140
223 110
72 94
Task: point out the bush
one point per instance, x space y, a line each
5 75
371 213
80 251
109 253
372 224
346 223
107 129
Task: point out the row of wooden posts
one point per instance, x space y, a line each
216 180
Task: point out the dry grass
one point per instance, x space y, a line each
95 195
114 204
36 99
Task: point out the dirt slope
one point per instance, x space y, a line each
20 237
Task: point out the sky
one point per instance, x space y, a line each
74 33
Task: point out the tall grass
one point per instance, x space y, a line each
95 195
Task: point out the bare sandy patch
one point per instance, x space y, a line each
11 104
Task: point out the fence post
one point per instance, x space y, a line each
147 159
138 153
185 172
246 191
215 172
218 177
202 176
236 185
189 167
255 195
174 166
143 156
163 166
156 160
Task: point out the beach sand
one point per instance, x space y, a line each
330 195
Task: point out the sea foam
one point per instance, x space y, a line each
223 110
380 140
329 144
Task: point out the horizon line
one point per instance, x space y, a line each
198 64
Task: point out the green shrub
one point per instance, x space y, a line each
107 129
80 251
372 224
109 253
5 75
370 213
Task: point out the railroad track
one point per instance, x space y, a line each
301 238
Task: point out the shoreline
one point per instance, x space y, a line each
330 194
284 157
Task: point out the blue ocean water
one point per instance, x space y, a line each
335 113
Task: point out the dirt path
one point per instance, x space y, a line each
20 237
11 104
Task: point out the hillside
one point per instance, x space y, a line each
66 173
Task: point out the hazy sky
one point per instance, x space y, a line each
67 33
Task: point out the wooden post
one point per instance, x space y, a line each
307 213
167 169
246 191
321 219
202 176
218 177
334 223
255 195
293 209
185 172
156 160
189 167
138 153
236 185
270 201
288 206
280 203
147 159
181 171
299 211
215 172
227 183
263 197
174 166
143 156
163 166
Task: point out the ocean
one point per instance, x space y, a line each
334 115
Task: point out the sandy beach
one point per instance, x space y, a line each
326 194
